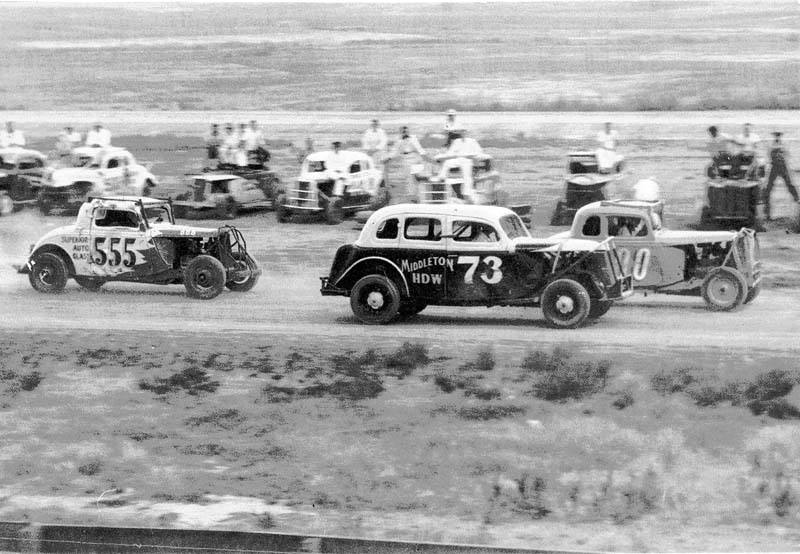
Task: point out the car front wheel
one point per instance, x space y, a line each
204 277
375 300
565 303
49 273
724 289
282 213
246 283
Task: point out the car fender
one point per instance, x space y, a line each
53 249
356 270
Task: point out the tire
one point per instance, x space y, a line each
282 214
334 213
375 300
204 277
49 273
565 303
724 289
599 308
381 198
276 196
242 285
753 293
89 283
228 210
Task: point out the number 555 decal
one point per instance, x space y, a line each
492 275
118 251
640 260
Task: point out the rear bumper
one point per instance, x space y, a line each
328 289
22 268
621 289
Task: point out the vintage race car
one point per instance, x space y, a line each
136 240
95 172
409 256
220 195
334 185
720 266
449 185
585 184
22 172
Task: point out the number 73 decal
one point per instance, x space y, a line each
491 275
117 252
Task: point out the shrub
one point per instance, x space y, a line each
778 408
770 385
557 377
677 380
192 380
489 411
623 400
407 358
224 419
90 468
483 362
484 393
445 383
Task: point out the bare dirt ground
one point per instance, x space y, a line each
88 436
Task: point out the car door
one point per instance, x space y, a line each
640 254
113 169
481 266
421 255
118 243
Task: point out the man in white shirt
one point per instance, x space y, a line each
450 126
11 137
230 145
255 143
68 139
337 162
374 142
748 143
410 152
607 157
98 136
460 155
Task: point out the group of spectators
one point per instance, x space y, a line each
244 146
10 137
97 137
721 148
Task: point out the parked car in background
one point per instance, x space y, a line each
410 256
334 185
22 173
220 195
95 172
584 184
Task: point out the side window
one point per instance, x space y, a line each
474 231
387 229
112 163
591 227
423 228
219 187
116 218
630 226
355 167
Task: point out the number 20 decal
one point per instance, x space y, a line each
491 276
641 261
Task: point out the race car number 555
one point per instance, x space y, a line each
115 253
640 260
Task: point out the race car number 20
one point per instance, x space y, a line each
637 263
491 276
113 251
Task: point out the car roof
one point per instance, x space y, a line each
128 199
13 153
464 210
630 207
325 155
215 176
95 150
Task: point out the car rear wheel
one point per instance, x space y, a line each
565 303
89 283
245 283
599 308
375 300
724 289
49 273
282 213
204 277
753 293
334 213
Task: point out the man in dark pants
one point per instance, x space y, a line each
779 161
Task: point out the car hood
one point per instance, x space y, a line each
67 175
183 231
556 243
676 238
52 235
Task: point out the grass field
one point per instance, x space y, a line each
576 55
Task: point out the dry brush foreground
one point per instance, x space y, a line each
548 447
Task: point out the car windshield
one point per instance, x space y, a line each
158 214
316 166
81 161
513 226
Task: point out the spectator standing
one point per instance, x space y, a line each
410 152
98 136
461 153
68 139
255 144
230 144
213 140
779 167
374 142
450 126
748 148
11 137
607 157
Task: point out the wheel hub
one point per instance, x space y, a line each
375 300
565 304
